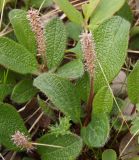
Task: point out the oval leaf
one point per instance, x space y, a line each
73 14
10 122
22 29
105 10
111 40
72 146
89 8
83 87
61 92
133 84
109 154
56 42
97 132
103 101
16 57
23 91
71 70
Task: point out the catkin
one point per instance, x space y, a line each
88 47
22 141
38 29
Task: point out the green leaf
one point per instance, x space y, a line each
38 3
46 109
133 84
71 12
134 31
72 146
83 87
71 70
126 12
5 90
89 8
103 101
62 94
134 44
96 133
23 91
16 57
135 126
105 10
73 30
56 42
10 122
22 29
7 82
61 128
77 50
111 40
109 154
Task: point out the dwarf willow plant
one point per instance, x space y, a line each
36 61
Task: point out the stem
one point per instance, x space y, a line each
46 145
89 106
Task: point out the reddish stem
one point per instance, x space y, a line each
89 106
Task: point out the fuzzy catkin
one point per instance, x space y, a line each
88 47
38 29
22 141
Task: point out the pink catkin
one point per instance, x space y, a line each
22 141
88 47
38 29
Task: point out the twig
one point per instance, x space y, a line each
37 120
129 142
24 107
5 33
2 157
32 115
2 13
132 51
13 156
46 145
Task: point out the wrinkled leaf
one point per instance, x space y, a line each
22 29
23 91
135 126
71 70
16 57
62 94
103 101
72 146
83 87
10 122
111 40
55 41
133 84
96 133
